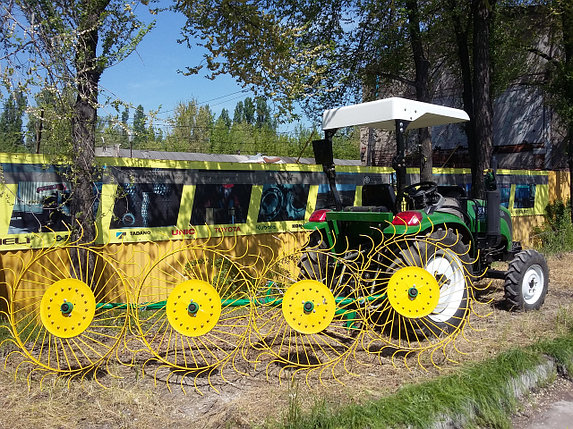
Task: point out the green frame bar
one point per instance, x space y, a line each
242 302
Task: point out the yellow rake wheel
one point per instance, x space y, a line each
308 306
418 291
193 311
68 309
305 312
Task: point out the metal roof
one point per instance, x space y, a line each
115 152
383 114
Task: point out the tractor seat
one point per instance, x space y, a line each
380 196
452 206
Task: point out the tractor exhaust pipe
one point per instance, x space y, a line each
493 200
493 203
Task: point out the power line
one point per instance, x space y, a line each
202 103
242 91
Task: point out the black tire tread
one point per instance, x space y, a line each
514 275
310 261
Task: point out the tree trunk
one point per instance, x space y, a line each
88 73
483 110
567 24
462 41
83 170
570 165
422 66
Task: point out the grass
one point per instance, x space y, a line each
560 349
478 395
6 338
555 241
556 234
27 328
483 386
56 404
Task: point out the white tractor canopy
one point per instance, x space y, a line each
384 113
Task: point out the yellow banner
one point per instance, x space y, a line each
140 200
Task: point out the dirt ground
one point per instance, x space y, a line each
132 400
549 406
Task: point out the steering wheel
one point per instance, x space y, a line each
422 194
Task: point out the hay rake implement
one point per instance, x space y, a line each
392 278
389 280
202 310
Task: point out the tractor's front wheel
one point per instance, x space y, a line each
526 281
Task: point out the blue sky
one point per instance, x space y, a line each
149 76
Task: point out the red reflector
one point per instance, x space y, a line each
319 215
408 218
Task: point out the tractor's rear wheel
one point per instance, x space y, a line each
449 265
421 289
526 281
313 260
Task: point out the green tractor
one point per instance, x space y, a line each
421 244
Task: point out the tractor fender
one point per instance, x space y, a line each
430 223
323 228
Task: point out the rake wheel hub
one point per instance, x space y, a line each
308 307
317 309
413 292
67 308
193 308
